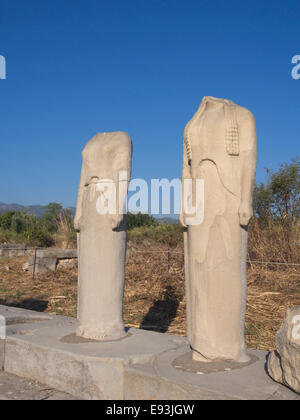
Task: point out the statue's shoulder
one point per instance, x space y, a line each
244 114
110 140
122 137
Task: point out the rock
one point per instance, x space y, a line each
8 268
274 367
25 266
67 263
284 363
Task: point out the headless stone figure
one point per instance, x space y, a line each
102 237
219 148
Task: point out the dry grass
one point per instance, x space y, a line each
65 237
154 293
271 291
274 242
52 292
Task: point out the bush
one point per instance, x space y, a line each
6 220
275 232
279 198
167 234
36 234
18 226
140 220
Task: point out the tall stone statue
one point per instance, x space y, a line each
220 149
101 222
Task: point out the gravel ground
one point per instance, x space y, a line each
15 388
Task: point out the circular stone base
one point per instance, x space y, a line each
94 334
75 339
186 363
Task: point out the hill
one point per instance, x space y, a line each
35 210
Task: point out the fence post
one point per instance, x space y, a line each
34 263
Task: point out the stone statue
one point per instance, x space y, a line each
219 148
102 237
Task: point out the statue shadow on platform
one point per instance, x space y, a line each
30 304
162 312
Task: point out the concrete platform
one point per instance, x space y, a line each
144 365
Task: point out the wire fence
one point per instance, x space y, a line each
18 251
169 252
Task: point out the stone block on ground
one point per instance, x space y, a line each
14 250
48 259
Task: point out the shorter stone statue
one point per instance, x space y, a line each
106 165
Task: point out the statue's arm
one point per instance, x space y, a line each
78 214
124 158
248 156
186 174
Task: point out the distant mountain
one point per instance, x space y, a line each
167 219
34 210
40 210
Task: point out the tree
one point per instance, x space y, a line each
262 200
279 198
6 220
285 186
52 216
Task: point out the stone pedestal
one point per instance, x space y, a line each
145 365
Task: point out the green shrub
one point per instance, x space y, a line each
167 234
6 220
140 220
23 227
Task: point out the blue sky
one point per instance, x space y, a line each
75 68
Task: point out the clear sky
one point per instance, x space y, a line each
78 67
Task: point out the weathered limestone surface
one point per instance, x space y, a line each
102 237
161 381
14 316
284 363
220 149
2 353
141 366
